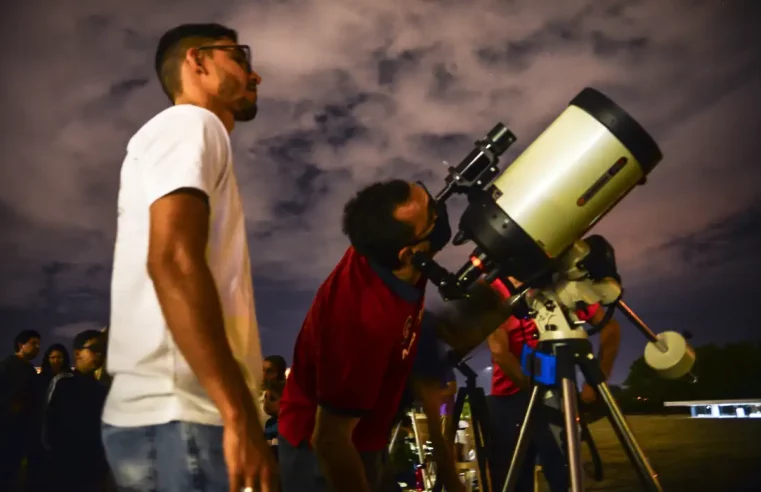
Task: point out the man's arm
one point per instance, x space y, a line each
429 371
353 352
179 228
464 324
610 341
431 396
499 345
339 459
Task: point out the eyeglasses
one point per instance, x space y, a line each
241 53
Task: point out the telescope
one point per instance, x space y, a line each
529 223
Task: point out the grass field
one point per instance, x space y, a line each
688 454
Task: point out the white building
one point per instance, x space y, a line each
721 409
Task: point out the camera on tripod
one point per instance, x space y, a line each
527 223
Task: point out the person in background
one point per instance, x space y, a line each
55 361
509 397
71 420
273 371
272 393
17 401
101 374
273 368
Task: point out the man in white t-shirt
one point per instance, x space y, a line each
184 347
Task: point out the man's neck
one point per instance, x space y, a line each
22 356
86 373
207 103
407 275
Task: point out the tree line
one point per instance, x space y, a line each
731 371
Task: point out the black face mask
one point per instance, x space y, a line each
441 233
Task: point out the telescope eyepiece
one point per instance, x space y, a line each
500 139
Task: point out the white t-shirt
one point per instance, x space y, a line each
182 147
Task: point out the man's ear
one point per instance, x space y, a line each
194 58
405 255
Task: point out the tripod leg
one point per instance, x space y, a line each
523 441
573 436
394 436
637 457
595 377
480 419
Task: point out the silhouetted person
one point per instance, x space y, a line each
272 393
273 368
55 361
101 374
71 433
17 378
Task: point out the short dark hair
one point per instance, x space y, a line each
279 362
84 336
175 43
23 338
370 225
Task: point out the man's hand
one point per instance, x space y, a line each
588 394
429 394
249 460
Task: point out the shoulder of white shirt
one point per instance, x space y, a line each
178 119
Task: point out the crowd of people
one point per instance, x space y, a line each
50 419
189 402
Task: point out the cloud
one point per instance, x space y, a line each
403 81
72 330
356 91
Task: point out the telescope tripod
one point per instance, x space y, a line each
553 366
479 419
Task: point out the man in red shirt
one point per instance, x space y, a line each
356 348
509 400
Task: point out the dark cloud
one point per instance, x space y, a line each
125 87
730 242
391 68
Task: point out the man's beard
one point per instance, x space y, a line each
243 108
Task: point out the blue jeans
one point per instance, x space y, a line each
172 457
300 469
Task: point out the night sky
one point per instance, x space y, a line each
357 90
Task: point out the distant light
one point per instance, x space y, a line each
488 369
287 372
